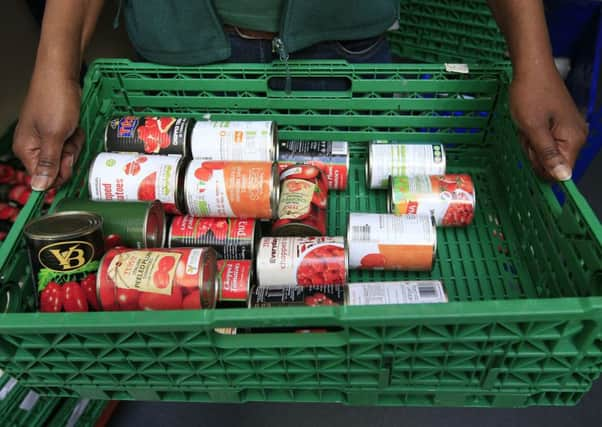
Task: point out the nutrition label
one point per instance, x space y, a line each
381 293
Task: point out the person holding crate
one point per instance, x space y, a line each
180 32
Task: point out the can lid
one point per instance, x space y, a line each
64 225
296 229
208 282
154 226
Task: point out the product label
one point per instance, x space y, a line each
380 293
151 135
148 271
65 256
311 296
295 198
253 141
234 277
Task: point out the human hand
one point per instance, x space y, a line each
552 129
47 138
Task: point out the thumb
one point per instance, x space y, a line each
546 149
49 160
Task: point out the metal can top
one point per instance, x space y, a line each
297 229
63 225
208 280
154 228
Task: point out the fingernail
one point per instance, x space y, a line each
70 158
562 173
40 182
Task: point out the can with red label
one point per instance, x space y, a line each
332 157
234 283
251 141
231 189
150 135
303 201
284 262
451 199
130 177
232 238
157 279
312 296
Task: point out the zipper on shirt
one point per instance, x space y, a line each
279 48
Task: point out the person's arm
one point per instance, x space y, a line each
47 138
552 129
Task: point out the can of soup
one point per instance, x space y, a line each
303 200
131 224
231 189
284 262
311 296
157 279
332 157
451 199
389 242
150 135
251 141
405 292
132 177
234 282
386 160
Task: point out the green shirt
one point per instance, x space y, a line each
260 15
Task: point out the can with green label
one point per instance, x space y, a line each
132 224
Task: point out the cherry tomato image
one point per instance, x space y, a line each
75 299
127 299
166 263
112 241
161 279
373 261
51 298
88 285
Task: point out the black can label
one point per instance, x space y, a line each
65 256
310 296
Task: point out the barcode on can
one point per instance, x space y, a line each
428 291
407 292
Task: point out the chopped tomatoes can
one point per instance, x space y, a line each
234 282
451 198
301 261
404 292
308 296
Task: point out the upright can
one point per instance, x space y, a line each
307 296
131 224
303 200
405 292
386 160
231 189
119 177
150 135
389 242
232 238
251 141
332 157
234 282
451 199
286 262
157 279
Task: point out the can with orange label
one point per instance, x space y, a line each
231 189
389 242
234 283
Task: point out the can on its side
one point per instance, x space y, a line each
132 177
386 160
389 242
404 292
157 279
236 189
308 296
150 135
234 282
134 224
244 140
284 262
450 198
332 157
303 201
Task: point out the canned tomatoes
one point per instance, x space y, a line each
231 189
451 199
301 261
380 241
311 296
232 238
157 279
332 157
383 293
130 177
253 141
234 282
386 160
151 135
303 200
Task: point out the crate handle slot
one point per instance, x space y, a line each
314 86
269 339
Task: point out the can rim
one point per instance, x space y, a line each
443 157
347 160
275 149
368 166
92 227
179 199
255 240
155 208
250 299
208 296
434 228
98 277
187 140
275 190
390 199
295 225
106 132
167 243
92 166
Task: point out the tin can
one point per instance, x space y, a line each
231 189
157 279
232 238
386 160
303 201
389 242
284 262
251 141
384 293
132 224
150 135
63 247
298 297
332 157
451 199
132 177
234 282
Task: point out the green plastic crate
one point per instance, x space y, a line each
524 280
447 31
